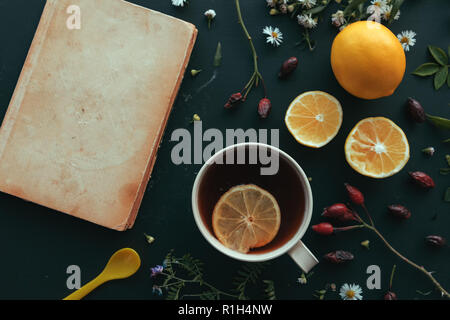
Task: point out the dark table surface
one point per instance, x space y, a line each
38 244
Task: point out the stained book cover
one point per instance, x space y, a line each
86 118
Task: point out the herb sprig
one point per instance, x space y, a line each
183 277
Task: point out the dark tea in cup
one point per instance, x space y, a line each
244 165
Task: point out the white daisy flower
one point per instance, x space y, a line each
377 7
387 13
350 292
337 19
274 36
306 20
210 14
178 3
308 4
407 39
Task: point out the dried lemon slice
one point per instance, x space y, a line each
246 217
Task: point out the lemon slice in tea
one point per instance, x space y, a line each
246 217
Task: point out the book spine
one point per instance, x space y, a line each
155 147
25 75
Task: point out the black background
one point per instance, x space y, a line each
38 244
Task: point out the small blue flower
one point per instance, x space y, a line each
157 290
157 270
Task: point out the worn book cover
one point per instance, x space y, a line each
86 118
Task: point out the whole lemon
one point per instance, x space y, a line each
368 60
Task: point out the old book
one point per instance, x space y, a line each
86 118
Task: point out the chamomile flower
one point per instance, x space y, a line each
178 3
387 14
337 19
271 3
308 4
274 35
407 39
350 292
210 15
306 20
377 7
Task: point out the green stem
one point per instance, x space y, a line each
349 228
368 214
256 76
307 39
392 277
413 264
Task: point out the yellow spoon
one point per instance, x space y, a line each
122 264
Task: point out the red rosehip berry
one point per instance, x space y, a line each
422 179
264 108
355 195
323 228
233 99
339 211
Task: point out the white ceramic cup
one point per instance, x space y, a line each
293 246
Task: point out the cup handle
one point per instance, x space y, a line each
303 257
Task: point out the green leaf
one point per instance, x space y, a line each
440 77
444 171
447 195
426 69
439 55
218 55
448 80
447 158
352 7
423 293
270 290
446 141
439 122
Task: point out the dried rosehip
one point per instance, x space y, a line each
323 228
435 241
399 211
264 108
415 110
422 179
339 211
288 67
355 195
338 256
390 296
233 99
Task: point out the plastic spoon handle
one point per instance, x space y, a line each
87 288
